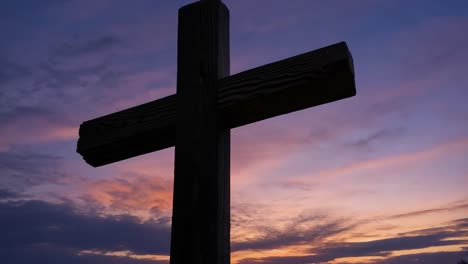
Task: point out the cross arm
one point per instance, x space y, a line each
310 79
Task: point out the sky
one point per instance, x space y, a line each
381 177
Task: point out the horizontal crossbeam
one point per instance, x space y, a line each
317 77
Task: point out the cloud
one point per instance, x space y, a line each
253 231
56 254
133 192
384 247
275 239
317 242
23 169
9 194
431 211
34 125
279 260
10 71
102 44
461 223
377 136
427 258
31 224
377 248
392 161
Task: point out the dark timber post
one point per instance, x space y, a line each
201 205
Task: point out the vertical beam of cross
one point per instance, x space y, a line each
201 205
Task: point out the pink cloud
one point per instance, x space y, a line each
390 162
35 128
141 195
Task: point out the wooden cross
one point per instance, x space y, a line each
198 119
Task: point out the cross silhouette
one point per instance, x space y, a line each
197 121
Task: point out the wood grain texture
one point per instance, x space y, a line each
200 220
310 79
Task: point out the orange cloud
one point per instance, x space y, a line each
142 195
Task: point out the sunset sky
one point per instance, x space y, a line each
381 177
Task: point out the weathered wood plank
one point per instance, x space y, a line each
200 219
293 84
129 133
317 77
